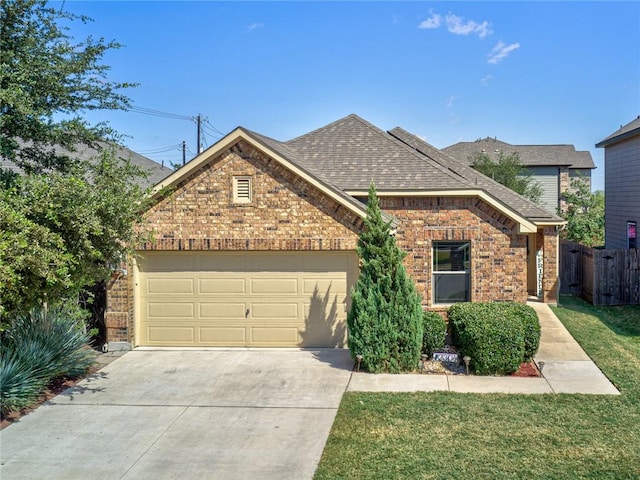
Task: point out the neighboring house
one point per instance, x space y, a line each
622 186
554 167
254 240
155 172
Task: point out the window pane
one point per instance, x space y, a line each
451 288
451 256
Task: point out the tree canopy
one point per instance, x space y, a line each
64 221
584 214
509 171
47 82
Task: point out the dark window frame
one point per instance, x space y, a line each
451 268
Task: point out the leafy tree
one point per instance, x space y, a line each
60 233
510 172
385 320
47 81
584 214
64 222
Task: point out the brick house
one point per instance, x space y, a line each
253 241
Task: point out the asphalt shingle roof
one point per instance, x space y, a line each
629 130
475 179
530 155
351 153
155 171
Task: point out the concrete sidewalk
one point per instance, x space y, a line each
566 368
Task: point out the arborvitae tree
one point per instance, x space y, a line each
385 319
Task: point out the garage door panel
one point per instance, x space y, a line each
325 263
274 311
162 286
243 298
274 335
324 286
166 263
159 310
222 286
171 335
226 262
274 286
223 336
280 262
223 310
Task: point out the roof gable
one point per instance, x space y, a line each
276 150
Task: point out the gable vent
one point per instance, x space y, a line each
242 189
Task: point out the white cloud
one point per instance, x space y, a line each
449 101
500 51
458 26
254 26
433 21
485 80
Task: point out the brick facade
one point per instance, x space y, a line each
288 213
498 253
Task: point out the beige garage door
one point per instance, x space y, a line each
244 299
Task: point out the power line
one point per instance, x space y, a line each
207 123
161 149
158 113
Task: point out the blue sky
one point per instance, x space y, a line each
524 72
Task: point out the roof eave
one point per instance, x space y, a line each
525 225
618 138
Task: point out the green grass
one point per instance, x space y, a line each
494 436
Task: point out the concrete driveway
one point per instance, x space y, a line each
229 414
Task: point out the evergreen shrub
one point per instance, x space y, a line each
435 332
497 336
385 319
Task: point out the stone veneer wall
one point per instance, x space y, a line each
498 253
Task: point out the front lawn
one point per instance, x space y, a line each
449 435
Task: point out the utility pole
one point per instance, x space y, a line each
199 145
184 152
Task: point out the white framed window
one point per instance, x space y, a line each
242 189
451 272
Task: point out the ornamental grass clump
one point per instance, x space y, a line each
385 320
37 348
497 336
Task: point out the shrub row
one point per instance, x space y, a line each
497 336
37 348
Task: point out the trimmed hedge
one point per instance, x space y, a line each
497 336
435 332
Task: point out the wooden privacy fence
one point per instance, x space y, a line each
602 277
